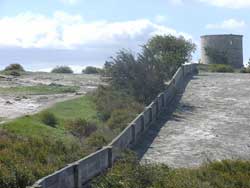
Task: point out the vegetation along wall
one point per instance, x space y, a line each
79 173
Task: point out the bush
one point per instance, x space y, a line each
81 128
120 118
14 67
62 70
245 70
13 73
97 140
23 160
49 118
107 99
91 70
128 172
221 68
14 70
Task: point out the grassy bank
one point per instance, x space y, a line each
31 149
36 145
128 173
38 90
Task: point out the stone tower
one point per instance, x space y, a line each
222 49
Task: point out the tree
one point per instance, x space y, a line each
171 52
144 76
138 77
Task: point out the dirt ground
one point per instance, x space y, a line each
14 105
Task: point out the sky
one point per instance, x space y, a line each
42 34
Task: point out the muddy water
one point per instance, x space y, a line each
211 121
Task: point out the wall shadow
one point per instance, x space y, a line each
167 114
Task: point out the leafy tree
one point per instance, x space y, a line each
137 77
171 52
144 76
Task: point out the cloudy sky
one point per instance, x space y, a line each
41 34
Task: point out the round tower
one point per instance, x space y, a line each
222 49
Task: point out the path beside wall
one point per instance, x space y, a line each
210 122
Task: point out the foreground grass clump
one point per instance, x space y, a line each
62 70
25 159
128 173
39 89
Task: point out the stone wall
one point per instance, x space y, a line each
230 45
79 173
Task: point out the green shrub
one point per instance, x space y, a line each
81 128
120 118
23 160
13 73
91 70
245 70
48 118
97 140
108 99
14 70
128 172
62 69
14 67
221 68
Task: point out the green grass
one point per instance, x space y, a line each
38 90
223 68
82 107
128 173
30 149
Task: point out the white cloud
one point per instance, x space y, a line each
66 31
228 3
228 24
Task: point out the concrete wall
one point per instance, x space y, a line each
77 174
232 45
